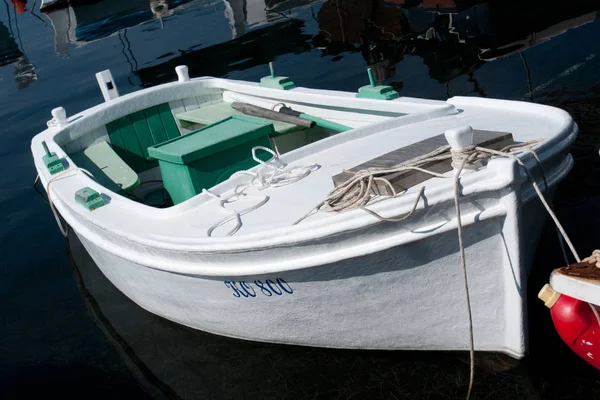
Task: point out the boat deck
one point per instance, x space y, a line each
308 192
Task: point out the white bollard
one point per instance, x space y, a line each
459 139
183 74
107 85
59 115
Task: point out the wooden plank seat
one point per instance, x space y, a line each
131 135
213 113
107 167
116 165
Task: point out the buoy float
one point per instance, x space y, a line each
576 323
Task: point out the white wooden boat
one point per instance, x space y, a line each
338 280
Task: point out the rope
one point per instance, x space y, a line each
273 173
234 214
593 259
53 122
463 264
61 175
540 196
356 192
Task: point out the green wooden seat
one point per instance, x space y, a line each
208 156
131 135
107 167
217 112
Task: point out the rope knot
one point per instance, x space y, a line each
52 122
594 258
463 157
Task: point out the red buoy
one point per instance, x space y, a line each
575 323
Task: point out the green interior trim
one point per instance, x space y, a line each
208 156
212 139
108 168
219 111
131 135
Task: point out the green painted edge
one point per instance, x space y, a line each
279 82
377 92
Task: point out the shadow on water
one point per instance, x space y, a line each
524 50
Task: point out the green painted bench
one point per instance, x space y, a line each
217 112
107 167
131 135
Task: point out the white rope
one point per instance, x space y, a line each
233 214
593 259
69 173
539 194
463 265
271 174
52 122
356 192
275 172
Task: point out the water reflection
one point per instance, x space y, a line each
235 55
11 46
453 38
80 24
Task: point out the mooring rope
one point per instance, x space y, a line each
357 192
62 175
463 264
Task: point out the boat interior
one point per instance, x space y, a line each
165 154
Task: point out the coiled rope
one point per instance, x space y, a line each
272 173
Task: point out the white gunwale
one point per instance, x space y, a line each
308 231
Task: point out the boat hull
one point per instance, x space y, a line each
409 297
345 280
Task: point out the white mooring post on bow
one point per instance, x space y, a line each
107 85
460 140
59 116
183 74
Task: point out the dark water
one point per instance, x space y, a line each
66 331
